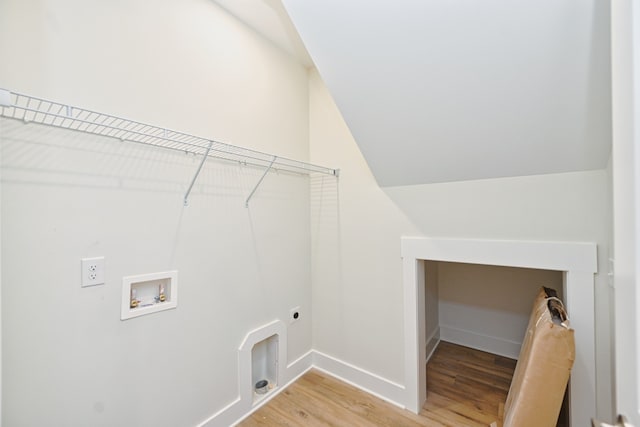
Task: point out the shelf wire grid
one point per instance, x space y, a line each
30 109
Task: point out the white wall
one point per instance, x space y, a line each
1 363
488 307
67 357
355 228
625 58
357 278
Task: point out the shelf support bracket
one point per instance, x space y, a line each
246 203
193 181
5 98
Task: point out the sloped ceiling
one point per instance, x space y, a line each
450 90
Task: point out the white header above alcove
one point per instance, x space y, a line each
578 262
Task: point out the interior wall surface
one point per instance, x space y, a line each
67 357
625 62
489 306
357 270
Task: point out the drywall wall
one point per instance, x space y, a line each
489 306
1 285
356 229
68 359
625 58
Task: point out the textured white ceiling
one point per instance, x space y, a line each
449 90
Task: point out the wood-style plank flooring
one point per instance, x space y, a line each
466 388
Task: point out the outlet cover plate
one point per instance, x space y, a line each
92 271
294 314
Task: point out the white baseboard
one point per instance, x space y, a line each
357 377
499 346
376 385
299 366
238 410
432 343
278 391
225 416
394 393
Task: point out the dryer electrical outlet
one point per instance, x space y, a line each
294 314
92 271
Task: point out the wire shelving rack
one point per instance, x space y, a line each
31 109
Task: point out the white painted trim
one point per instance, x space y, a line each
413 278
245 386
560 256
231 415
364 380
432 344
272 395
1 345
577 260
299 366
225 416
240 409
495 345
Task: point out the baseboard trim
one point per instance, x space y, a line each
239 410
224 416
432 343
499 346
366 381
271 396
300 366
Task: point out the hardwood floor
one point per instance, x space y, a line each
465 389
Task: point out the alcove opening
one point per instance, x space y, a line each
578 263
483 307
264 367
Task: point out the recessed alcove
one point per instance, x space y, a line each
262 357
576 262
148 293
485 307
264 366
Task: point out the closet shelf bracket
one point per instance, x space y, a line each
246 203
193 180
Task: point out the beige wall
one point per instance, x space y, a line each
488 304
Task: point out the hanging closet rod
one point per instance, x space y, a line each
30 109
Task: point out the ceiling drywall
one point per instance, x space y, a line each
449 90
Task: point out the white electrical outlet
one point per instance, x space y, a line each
294 314
92 271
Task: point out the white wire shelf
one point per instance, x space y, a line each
30 109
